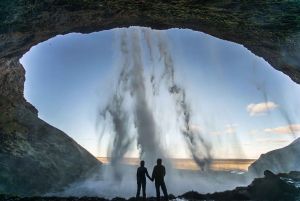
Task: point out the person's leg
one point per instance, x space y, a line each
144 190
138 190
157 191
164 189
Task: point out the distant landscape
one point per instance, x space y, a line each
189 164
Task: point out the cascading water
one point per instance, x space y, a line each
133 80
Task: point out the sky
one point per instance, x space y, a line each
243 106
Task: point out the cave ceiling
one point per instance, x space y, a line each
269 29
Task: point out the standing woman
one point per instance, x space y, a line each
141 174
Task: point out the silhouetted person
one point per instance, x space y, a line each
158 174
141 174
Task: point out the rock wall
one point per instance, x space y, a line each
268 28
35 153
281 160
35 157
12 78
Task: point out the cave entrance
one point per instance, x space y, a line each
239 99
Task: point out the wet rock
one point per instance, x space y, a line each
118 199
35 157
294 174
271 187
171 197
193 195
269 175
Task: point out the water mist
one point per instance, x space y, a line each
132 80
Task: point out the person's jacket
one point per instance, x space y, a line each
141 174
159 173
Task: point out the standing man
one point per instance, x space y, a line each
141 174
158 174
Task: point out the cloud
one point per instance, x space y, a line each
230 130
248 144
253 132
231 125
264 140
282 140
192 127
260 108
289 129
277 140
195 128
216 133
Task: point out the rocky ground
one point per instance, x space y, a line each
282 186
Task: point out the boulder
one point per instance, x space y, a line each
271 187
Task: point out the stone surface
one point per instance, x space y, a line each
271 187
269 29
12 78
35 157
285 159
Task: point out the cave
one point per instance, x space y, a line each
270 30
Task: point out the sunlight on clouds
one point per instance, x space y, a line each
282 140
277 140
260 108
230 130
195 128
216 133
293 128
253 132
192 127
263 140
231 125
263 145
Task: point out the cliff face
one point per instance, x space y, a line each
270 29
12 78
285 159
35 157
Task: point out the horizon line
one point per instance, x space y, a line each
187 158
